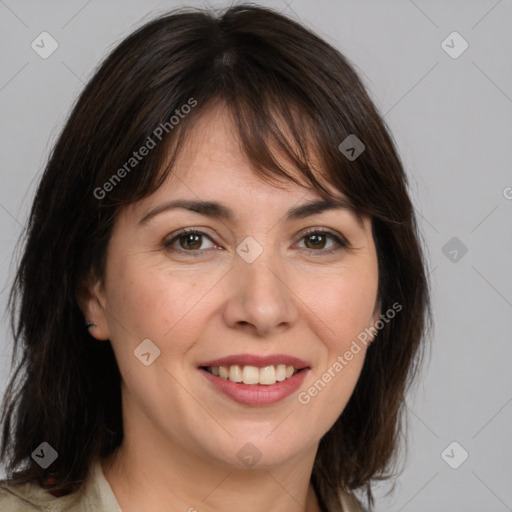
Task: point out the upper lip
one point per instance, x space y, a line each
258 361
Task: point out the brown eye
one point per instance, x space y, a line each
317 240
188 240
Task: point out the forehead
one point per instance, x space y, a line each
212 175
212 158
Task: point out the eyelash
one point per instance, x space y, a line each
342 244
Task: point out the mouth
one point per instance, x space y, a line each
256 380
252 375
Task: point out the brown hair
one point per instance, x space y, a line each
263 67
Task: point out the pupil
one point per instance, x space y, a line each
318 239
189 238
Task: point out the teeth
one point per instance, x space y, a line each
280 372
235 373
252 375
268 375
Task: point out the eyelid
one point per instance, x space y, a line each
339 239
172 237
327 231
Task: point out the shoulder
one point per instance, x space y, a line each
30 497
94 495
19 498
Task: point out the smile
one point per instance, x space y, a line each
252 375
254 379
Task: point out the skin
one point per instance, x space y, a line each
181 434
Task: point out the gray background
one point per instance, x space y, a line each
451 118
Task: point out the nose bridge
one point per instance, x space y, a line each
261 295
258 266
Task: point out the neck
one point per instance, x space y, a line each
163 476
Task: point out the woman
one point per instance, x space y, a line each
222 298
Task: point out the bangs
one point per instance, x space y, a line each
288 126
281 142
280 145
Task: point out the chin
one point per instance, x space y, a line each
259 449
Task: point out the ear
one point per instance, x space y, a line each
91 300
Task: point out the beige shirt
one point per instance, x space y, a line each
95 496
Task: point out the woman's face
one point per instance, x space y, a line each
253 290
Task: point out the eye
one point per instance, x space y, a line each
316 239
189 240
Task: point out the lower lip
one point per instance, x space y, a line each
257 394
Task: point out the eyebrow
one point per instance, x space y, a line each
217 210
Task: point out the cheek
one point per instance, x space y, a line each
161 304
343 308
344 305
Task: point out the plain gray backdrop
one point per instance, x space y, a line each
450 112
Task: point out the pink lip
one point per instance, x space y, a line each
258 361
257 394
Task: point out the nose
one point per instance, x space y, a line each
261 300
